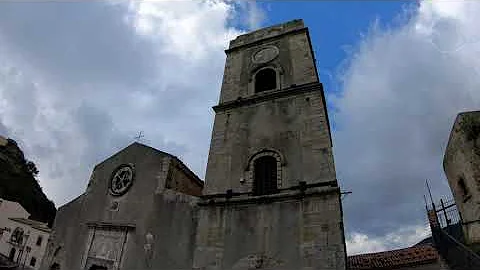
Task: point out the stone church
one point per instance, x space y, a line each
270 199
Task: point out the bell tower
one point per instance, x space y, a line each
271 198
271 115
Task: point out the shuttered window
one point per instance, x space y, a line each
265 181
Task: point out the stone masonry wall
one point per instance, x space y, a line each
291 234
462 160
181 181
296 127
295 63
138 230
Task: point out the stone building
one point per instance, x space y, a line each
270 199
25 241
462 168
22 240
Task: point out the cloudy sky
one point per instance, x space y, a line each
79 80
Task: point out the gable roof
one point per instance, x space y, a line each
412 256
149 148
13 205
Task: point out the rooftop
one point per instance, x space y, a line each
412 256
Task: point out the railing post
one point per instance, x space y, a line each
447 221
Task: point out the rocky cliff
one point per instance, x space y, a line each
18 183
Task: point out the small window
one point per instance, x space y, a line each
17 236
265 79
33 261
39 241
265 173
463 189
55 266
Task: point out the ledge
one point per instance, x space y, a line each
264 96
471 221
296 192
108 225
245 42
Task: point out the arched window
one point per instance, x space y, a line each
265 79
265 175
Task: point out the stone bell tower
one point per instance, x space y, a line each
271 199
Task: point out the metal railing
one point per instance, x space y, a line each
457 255
447 233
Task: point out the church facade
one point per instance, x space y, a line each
270 199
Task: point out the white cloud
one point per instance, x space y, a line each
358 243
190 30
402 89
75 90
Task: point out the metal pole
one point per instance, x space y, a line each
444 212
430 192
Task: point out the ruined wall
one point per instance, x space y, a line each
281 234
462 164
182 180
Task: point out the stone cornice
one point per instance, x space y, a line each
234 47
292 193
264 96
266 199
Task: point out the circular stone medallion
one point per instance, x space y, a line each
122 180
265 55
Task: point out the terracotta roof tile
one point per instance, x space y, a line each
411 256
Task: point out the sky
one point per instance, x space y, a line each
79 80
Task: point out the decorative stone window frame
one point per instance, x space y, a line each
278 73
249 168
17 236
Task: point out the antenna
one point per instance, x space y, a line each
425 199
